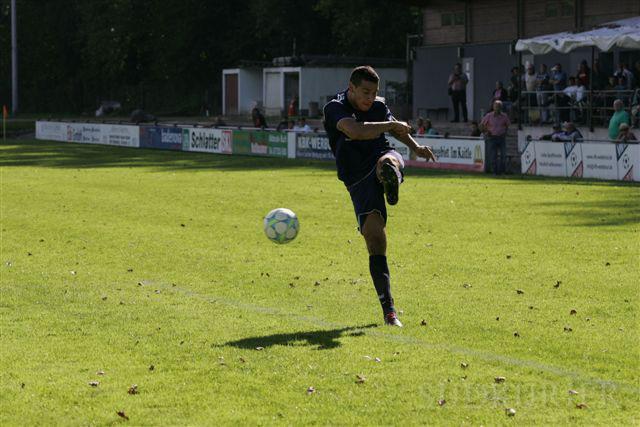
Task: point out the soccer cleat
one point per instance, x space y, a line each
391 319
391 179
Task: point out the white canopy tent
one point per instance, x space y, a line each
624 33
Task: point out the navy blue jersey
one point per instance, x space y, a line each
354 158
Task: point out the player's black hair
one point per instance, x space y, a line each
364 72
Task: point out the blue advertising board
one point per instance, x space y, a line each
162 137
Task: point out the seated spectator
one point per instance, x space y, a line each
302 126
575 91
569 133
619 116
557 129
625 134
475 129
420 125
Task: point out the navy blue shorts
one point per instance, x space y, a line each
367 194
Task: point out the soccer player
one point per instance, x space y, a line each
356 121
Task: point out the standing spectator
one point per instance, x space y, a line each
458 92
619 116
530 85
584 74
495 125
420 124
499 94
293 107
623 71
258 119
542 85
635 108
574 94
599 77
559 82
475 129
636 73
624 134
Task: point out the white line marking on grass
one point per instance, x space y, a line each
485 355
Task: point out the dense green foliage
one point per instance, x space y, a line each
167 55
143 267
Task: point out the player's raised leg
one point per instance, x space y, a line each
388 170
374 232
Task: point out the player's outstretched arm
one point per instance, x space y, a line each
423 151
370 130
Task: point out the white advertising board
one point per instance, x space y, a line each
600 161
550 159
452 153
207 140
53 131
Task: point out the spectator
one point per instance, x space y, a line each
584 74
475 129
569 133
575 96
302 126
636 73
635 108
499 94
558 81
420 124
428 128
558 78
530 79
619 116
495 125
599 78
293 107
625 134
258 119
542 85
557 130
458 92
623 71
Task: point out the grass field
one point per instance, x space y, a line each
143 267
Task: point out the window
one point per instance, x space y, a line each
566 7
559 8
449 19
446 19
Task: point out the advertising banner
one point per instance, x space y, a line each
161 137
53 131
120 135
207 140
600 161
573 156
550 159
313 146
626 167
452 153
260 143
528 159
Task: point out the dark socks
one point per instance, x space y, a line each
380 275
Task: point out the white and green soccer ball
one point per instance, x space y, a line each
281 225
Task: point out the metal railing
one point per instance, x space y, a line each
590 108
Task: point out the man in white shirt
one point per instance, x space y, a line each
301 126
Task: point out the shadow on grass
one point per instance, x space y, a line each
615 210
322 340
52 154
